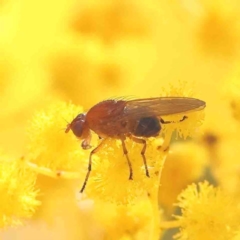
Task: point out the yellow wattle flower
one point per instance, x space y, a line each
207 213
50 150
18 200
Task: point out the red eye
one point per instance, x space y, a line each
77 125
77 128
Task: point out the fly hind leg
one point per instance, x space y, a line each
167 122
142 141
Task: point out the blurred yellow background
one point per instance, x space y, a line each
87 51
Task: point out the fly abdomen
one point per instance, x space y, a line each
147 127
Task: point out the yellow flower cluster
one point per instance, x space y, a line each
18 192
48 145
201 219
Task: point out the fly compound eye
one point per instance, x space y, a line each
77 128
77 125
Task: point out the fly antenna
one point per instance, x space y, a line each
66 129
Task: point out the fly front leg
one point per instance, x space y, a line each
142 141
125 152
86 142
95 150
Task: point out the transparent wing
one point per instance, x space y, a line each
161 106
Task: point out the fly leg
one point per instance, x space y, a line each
167 122
90 164
125 152
142 141
165 145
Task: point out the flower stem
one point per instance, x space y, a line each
54 174
170 224
154 192
153 197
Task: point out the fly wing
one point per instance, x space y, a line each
161 106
